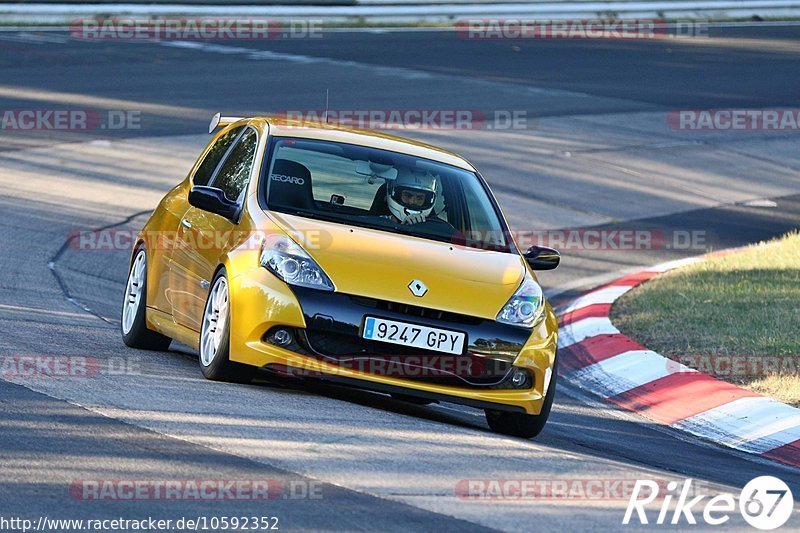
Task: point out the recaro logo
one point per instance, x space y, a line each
287 179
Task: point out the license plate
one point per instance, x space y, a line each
415 335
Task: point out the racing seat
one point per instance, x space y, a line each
379 206
290 186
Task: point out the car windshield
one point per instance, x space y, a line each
382 190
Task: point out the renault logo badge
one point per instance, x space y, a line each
417 288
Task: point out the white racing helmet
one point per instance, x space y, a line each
412 193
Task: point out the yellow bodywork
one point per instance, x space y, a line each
460 279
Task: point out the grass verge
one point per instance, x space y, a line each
736 316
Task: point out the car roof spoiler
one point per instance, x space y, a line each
219 121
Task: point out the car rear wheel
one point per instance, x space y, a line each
522 424
133 321
215 337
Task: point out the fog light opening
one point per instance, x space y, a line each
521 378
282 337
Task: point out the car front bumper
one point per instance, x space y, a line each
327 344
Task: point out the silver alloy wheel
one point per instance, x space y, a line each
215 319
134 292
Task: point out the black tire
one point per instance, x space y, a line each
221 368
522 424
139 336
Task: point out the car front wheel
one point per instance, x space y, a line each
522 424
215 337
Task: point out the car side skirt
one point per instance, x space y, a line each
163 323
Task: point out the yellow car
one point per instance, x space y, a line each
324 252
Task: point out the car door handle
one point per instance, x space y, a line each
186 224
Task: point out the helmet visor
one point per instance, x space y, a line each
413 198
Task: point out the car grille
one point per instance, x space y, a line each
338 344
406 363
333 334
413 310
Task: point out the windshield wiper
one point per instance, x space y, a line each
300 213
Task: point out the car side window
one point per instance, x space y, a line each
210 162
234 173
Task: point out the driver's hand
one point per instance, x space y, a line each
414 219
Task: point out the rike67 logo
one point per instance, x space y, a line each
766 503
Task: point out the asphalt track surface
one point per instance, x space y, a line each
596 153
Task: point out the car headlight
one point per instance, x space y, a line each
287 260
525 308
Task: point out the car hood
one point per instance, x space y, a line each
382 265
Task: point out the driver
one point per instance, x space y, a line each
411 196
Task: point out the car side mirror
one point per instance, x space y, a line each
542 257
213 200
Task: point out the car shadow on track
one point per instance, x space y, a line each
454 415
